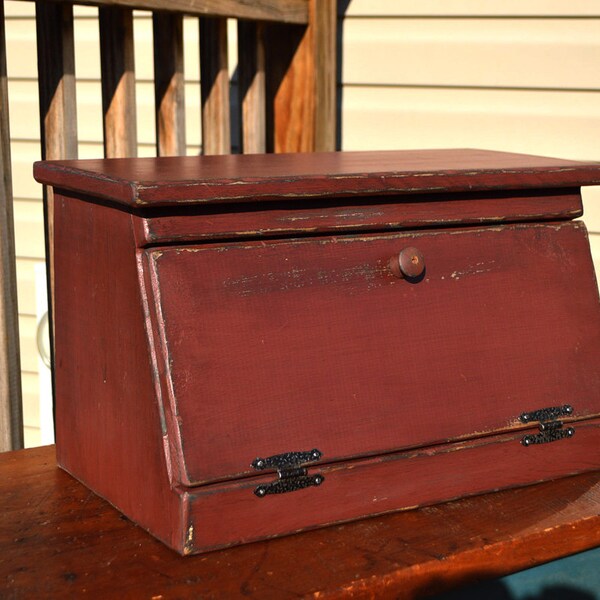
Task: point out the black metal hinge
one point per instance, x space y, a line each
551 429
291 473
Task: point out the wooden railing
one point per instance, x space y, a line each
286 68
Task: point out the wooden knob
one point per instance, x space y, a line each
409 263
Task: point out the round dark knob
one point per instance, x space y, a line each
409 263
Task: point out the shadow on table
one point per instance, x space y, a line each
497 590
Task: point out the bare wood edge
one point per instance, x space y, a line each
283 11
456 571
214 85
252 101
11 405
169 84
491 552
118 81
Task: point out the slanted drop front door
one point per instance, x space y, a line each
268 347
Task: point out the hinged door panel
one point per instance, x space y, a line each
282 346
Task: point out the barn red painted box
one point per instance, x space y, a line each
249 346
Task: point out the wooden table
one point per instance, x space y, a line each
57 539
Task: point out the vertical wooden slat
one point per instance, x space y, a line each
169 83
301 71
323 20
11 407
118 81
56 69
58 111
251 68
289 89
214 81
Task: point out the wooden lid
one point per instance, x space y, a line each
145 182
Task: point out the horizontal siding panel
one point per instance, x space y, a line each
595 245
19 9
564 124
514 53
493 8
24 109
21 53
29 228
33 437
591 208
24 154
27 338
26 285
31 405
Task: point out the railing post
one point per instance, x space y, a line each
301 67
169 83
214 82
58 112
252 98
118 81
56 79
11 407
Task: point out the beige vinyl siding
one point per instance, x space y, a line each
518 75
471 8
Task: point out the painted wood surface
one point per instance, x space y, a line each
382 484
367 214
74 541
314 343
195 180
108 424
254 348
11 409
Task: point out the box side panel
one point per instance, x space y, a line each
108 430
386 484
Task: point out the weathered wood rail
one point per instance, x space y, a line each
286 66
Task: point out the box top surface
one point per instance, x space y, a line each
173 181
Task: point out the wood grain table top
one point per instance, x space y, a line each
57 539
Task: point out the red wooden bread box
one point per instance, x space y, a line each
249 346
